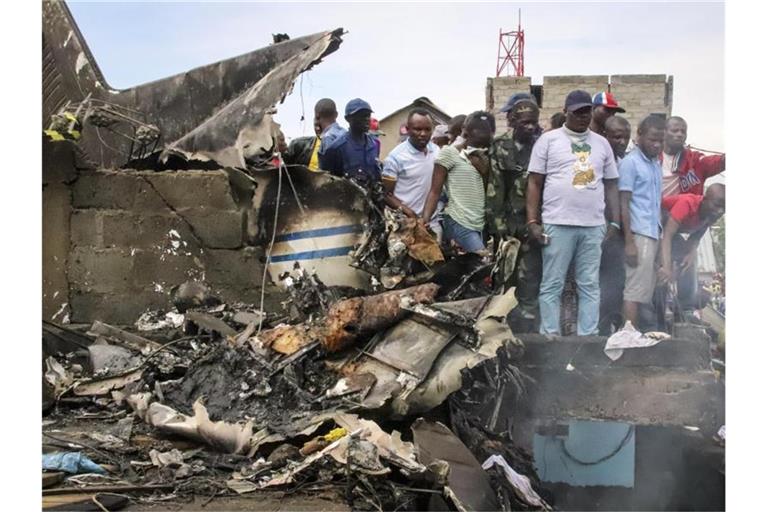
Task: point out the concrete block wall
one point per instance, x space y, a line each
642 95
497 92
135 235
556 88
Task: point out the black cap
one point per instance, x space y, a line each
514 99
577 99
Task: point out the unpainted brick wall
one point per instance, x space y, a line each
498 91
640 95
137 234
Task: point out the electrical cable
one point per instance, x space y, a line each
622 444
271 242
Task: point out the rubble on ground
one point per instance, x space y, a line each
226 400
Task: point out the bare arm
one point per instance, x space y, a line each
438 180
626 198
389 196
611 189
630 249
533 204
670 229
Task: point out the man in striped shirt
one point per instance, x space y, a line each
463 169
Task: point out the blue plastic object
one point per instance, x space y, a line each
70 462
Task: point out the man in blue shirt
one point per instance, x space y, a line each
355 153
325 118
640 198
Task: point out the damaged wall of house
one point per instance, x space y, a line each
135 235
58 173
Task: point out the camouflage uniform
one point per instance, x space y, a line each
505 212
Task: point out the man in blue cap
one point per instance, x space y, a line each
505 202
354 154
572 189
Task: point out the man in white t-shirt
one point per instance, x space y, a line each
407 173
577 172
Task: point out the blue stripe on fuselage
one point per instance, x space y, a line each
321 232
312 255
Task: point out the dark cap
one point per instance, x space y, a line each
577 99
356 105
515 98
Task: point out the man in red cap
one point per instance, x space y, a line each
373 129
604 105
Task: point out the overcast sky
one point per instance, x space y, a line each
397 52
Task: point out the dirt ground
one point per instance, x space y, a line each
256 501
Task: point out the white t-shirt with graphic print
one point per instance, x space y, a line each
574 173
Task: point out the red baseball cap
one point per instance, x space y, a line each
373 127
607 100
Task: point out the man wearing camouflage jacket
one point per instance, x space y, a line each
505 202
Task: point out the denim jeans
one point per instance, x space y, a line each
468 239
687 281
584 244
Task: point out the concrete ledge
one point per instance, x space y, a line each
575 79
638 79
647 396
586 352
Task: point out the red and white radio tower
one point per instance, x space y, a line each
511 51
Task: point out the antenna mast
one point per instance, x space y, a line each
511 51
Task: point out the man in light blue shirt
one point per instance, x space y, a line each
325 119
640 197
407 174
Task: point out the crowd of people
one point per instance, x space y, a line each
625 216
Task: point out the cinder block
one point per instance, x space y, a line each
147 199
216 229
86 228
190 189
114 308
105 189
152 267
99 270
137 230
235 268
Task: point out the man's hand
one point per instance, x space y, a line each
610 233
408 212
480 162
630 253
535 232
664 275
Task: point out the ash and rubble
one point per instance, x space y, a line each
353 393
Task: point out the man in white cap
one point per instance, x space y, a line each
440 136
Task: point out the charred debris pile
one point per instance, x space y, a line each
390 400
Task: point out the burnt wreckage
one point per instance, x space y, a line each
388 378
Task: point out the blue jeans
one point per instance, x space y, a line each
468 239
566 243
687 281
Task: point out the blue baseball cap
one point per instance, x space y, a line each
356 105
577 99
516 98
